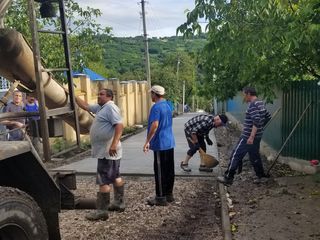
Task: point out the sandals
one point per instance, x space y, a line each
185 167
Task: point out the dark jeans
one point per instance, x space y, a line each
163 166
238 153
192 150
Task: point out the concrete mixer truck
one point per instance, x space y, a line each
30 196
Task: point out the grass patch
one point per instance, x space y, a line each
131 129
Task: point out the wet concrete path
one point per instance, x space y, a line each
135 161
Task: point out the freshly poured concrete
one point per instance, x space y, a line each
135 161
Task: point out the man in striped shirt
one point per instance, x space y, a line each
196 130
255 119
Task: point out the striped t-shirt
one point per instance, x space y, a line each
256 115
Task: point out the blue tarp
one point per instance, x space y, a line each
91 74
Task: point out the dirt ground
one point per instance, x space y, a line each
285 208
194 214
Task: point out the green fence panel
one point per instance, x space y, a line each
305 141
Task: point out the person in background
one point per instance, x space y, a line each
15 126
256 118
160 139
3 128
31 105
105 134
196 131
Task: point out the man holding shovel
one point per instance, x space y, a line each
255 120
160 139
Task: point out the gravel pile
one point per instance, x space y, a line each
194 214
286 207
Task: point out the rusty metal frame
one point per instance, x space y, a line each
38 73
39 80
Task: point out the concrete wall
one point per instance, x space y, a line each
130 96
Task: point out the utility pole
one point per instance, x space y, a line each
215 106
183 94
183 86
146 45
178 65
193 109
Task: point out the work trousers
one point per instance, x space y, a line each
238 153
163 166
192 148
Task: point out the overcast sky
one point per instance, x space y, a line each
124 16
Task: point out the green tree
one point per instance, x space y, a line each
126 55
84 33
176 69
264 43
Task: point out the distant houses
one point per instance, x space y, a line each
91 74
4 84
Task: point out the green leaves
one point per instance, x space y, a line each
263 43
177 68
83 29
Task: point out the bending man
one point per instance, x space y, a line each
196 130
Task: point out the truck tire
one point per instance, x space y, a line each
20 216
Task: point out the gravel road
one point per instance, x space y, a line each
194 214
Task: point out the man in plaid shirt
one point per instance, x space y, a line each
196 130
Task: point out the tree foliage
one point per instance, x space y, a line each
176 70
83 30
125 57
263 43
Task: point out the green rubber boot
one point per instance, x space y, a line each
103 202
118 202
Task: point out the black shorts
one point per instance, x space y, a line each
107 171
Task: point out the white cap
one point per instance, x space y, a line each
157 90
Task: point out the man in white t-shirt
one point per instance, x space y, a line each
105 134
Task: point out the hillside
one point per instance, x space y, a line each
125 56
